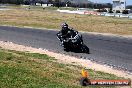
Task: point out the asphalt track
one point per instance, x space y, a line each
113 51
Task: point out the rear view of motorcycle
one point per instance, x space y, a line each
72 41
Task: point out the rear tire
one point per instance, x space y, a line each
85 49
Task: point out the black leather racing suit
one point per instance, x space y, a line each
65 35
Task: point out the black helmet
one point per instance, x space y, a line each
64 25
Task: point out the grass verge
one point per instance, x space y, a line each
49 18
33 70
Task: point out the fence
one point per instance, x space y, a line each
110 14
100 14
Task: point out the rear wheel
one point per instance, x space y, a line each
85 49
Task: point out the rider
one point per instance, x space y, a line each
64 29
66 32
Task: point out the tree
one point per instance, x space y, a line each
56 3
129 7
12 1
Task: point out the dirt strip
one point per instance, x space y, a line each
66 59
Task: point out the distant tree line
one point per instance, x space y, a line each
59 3
12 1
129 7
83 5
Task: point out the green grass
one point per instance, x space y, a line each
33 70
49 18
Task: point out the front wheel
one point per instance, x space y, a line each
67 50
66 46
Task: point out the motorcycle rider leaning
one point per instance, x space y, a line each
66 32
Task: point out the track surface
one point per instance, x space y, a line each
116 51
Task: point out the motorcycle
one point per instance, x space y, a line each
73 43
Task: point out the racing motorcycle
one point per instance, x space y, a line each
73 42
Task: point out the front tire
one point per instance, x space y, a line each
67 50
